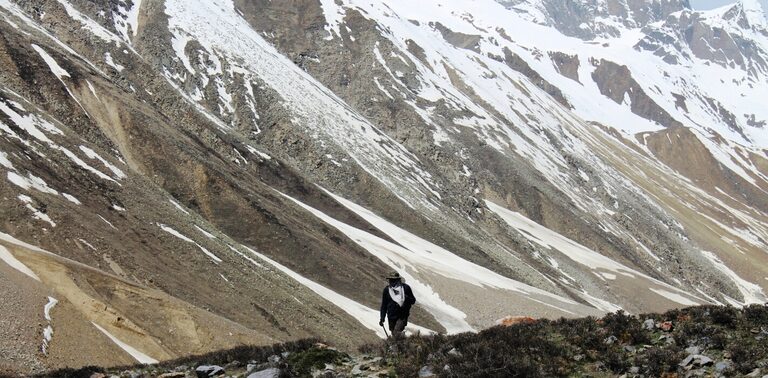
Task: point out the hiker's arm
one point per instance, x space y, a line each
410 299
383 310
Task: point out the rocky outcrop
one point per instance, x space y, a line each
616 82
567 65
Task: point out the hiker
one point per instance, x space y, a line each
396 302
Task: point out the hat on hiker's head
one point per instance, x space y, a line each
394 276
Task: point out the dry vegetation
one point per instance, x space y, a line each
734 342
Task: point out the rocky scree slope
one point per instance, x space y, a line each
264 164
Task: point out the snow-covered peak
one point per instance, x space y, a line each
754 12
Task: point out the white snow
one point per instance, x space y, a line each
14 263
87 244
135 353
367 316
47 337
258 153
92 89
417 259
580 254
181 236
751 292
178 206
52 65
30 182
77 160
552 240
318 110
674 297
37 214
131 16
71 198
110 62
88 24
35 126
206 233
48 307
5 162
107 222
91 154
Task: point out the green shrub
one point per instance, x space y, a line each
302 363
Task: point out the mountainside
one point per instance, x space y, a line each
184 176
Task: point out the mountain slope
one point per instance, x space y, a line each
267 163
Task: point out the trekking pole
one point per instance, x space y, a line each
385 330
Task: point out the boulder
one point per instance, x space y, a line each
426 371
649 324
722 366
266 373
204 371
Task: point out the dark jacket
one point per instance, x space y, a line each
391 309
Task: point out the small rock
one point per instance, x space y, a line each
666 326
181 368
649 324
687 361
722 366
251 367
175 374
630 348
693 350
267 373
204 371
754 373
703 361
454 352
98 375
273 359
285 354
425 371
634 370
610 340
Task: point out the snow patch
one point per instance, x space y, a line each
751 292
30 182
14 263
135 353
5 162
367 316
181 236
52 64
110 62
674 297
37 214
